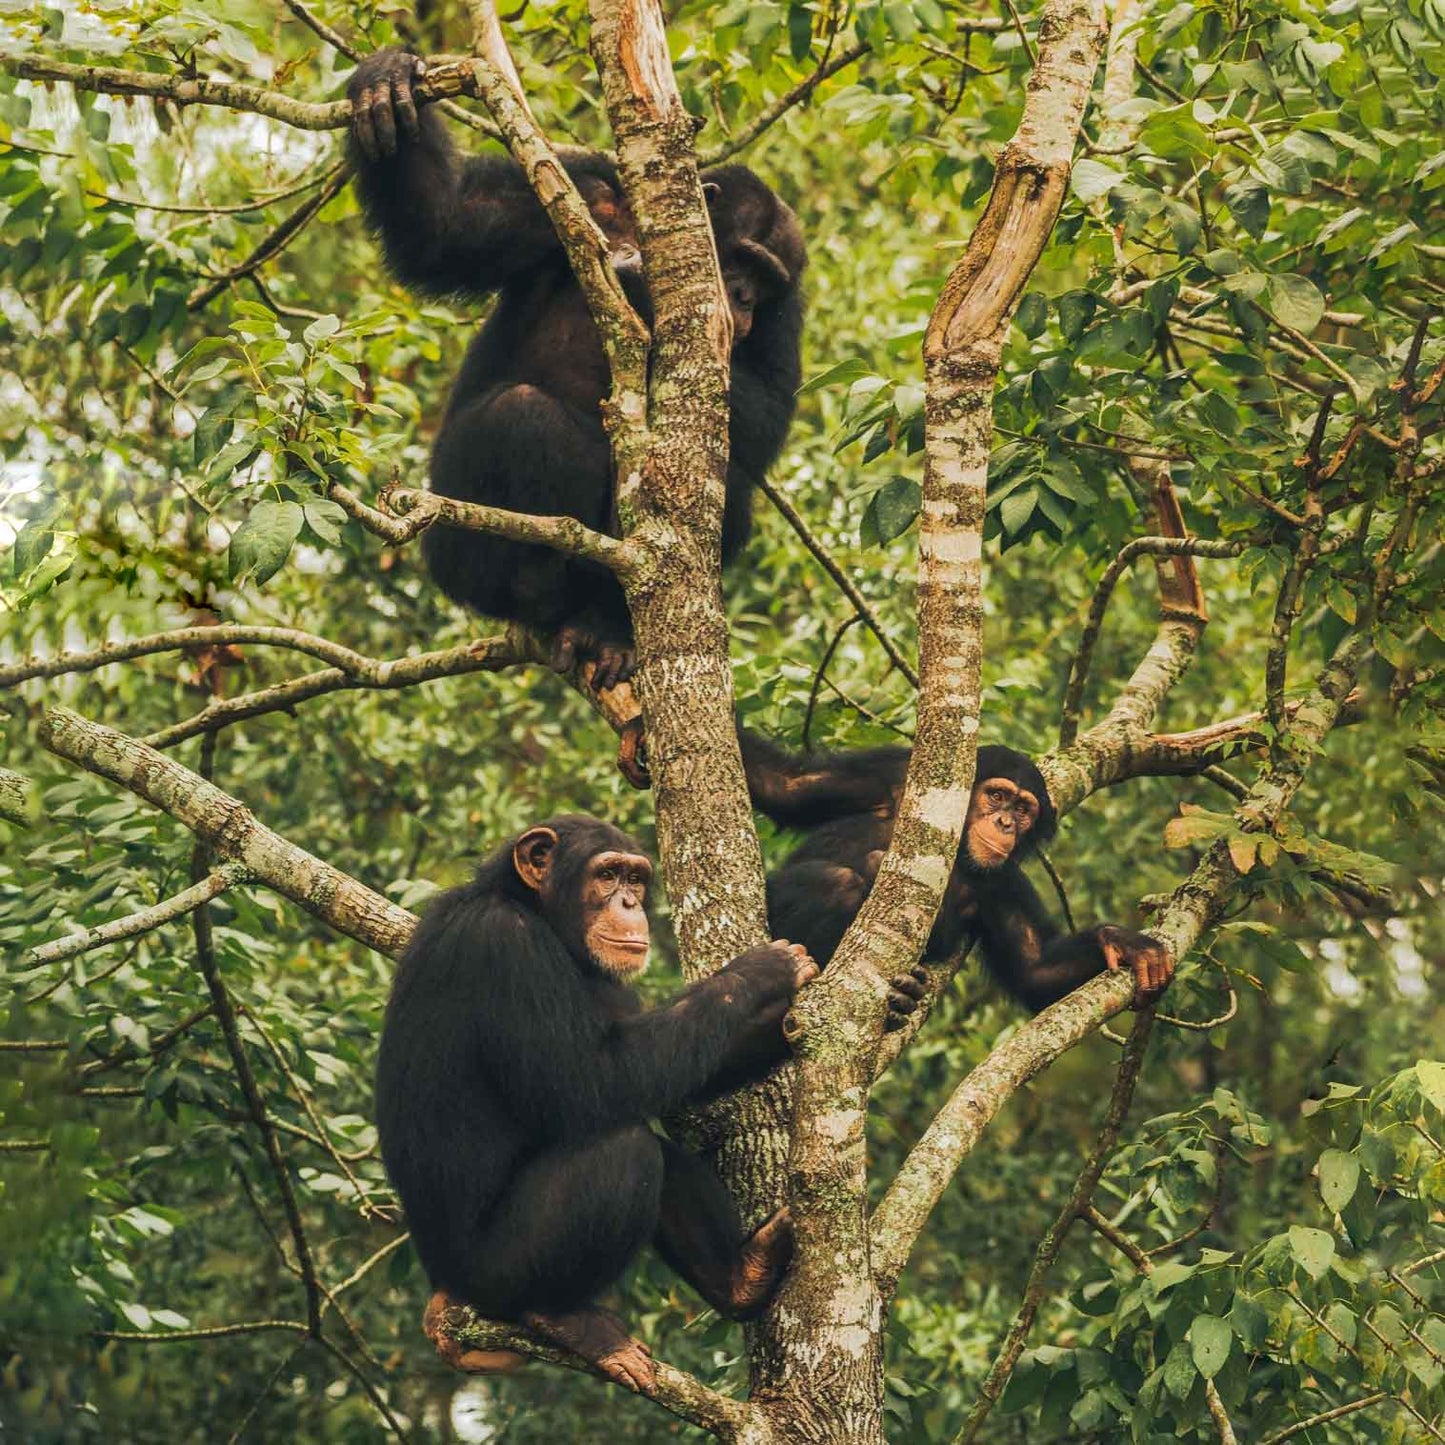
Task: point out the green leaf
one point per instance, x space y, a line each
1431 1075
1312 1248
849 371
1033 313
320 329
263 541
800 31
1179 1370
326 518
1248 203
1092 179
32 545
891 511
1210 1341
1295 301
1250 1323
1339 1175
1016 509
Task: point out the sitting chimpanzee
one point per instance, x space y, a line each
848 802
523 429
516 1077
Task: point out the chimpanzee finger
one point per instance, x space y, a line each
383 120
361 126
604 674
405 103
1113 956
910 985
564 654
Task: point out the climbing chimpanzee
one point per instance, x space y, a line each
516 1077
848 803
523 429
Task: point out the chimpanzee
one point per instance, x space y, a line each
848 802
523 429
516 1077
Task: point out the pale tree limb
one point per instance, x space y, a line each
231 830
677 1392
443 78
18 801
487 654
1325 1417
187 901
840 1016
420 510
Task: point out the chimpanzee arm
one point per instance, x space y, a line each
448 224
801 790
555 1059
1039 965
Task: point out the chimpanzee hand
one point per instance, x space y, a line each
905 992
1149 960
381 100
773 972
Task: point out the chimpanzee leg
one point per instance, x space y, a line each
567 1226
563 1231
522 449
700 1236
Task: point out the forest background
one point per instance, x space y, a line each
204 369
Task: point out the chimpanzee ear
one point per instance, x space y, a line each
532 856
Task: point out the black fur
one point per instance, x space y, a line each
847 803
523 429
515 1081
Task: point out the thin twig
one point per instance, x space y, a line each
245 1077
1080 1196
861 605
276 241
770 115
201 892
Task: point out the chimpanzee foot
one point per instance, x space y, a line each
459 1356
761 1265
601 1339
632 754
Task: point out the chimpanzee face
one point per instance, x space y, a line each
595 897
742 292
614 912
1000 815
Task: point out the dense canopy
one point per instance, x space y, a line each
206 379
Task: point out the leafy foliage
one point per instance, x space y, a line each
1252 228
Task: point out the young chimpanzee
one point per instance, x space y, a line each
523 429
848 802
516 1076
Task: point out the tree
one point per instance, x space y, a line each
1194 319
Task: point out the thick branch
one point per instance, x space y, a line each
18 803
676 1391
230 829
420 510
444 78
202 891
486 654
